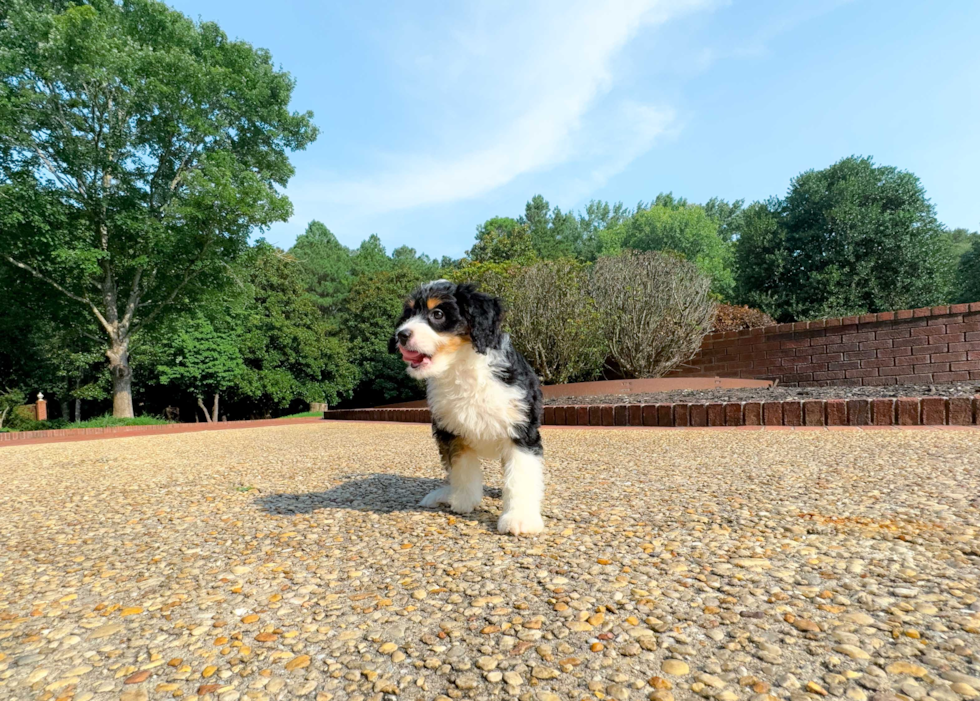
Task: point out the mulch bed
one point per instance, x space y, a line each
775 394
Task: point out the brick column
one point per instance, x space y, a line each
41 408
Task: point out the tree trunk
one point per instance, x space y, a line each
122 378
200 403
214 412
78 411
65 416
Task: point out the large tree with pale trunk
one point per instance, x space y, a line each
138 151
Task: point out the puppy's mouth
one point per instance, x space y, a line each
414 358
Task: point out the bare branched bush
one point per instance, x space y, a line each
655 310
554 322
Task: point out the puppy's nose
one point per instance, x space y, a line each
403 336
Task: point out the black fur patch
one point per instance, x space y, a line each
483 315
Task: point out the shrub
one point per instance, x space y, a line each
554 322
655 310
729 317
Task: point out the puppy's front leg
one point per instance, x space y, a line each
465 489
523 491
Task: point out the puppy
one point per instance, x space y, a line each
484 398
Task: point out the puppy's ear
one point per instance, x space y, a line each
483 314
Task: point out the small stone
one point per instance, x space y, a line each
618 692
466 681
419 594
299 662
675 668
387 648
138 678
105 631
852 651
965 690
815 688
513 678
137 694
541 672
486 663
659 683
493 677
908 668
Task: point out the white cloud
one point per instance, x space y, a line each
511 92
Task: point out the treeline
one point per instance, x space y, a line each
850 239
311 323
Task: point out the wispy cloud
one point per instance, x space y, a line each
511 91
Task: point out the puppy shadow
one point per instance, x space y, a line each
380 492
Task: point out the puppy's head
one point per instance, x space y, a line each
439 319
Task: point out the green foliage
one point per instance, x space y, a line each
288 350
850 239
10 399
138 151
968 274
374 304
553 234
106 421
201 359
325 267
674 225
502 239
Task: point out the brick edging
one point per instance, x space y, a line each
70 434
886 411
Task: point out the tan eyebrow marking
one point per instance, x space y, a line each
433 302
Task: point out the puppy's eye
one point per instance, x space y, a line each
437 315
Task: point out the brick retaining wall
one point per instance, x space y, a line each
915 346
905 411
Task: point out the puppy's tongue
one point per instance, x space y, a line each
413 357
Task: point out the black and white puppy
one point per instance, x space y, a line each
484 398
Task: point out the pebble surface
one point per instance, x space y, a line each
293 562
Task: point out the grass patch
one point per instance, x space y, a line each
304 415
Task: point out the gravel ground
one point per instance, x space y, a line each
775 394
292 563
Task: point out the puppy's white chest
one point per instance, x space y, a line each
471 402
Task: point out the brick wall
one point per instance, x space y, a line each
916 346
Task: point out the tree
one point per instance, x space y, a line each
656 309
969 274
138 151
325 267
289 351
853 238
726 214
202 360
598 217
674 225
502 239
372 309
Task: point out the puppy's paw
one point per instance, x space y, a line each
462 502
519 521
436 497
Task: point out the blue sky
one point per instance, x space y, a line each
437 116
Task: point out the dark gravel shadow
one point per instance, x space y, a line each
380 492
